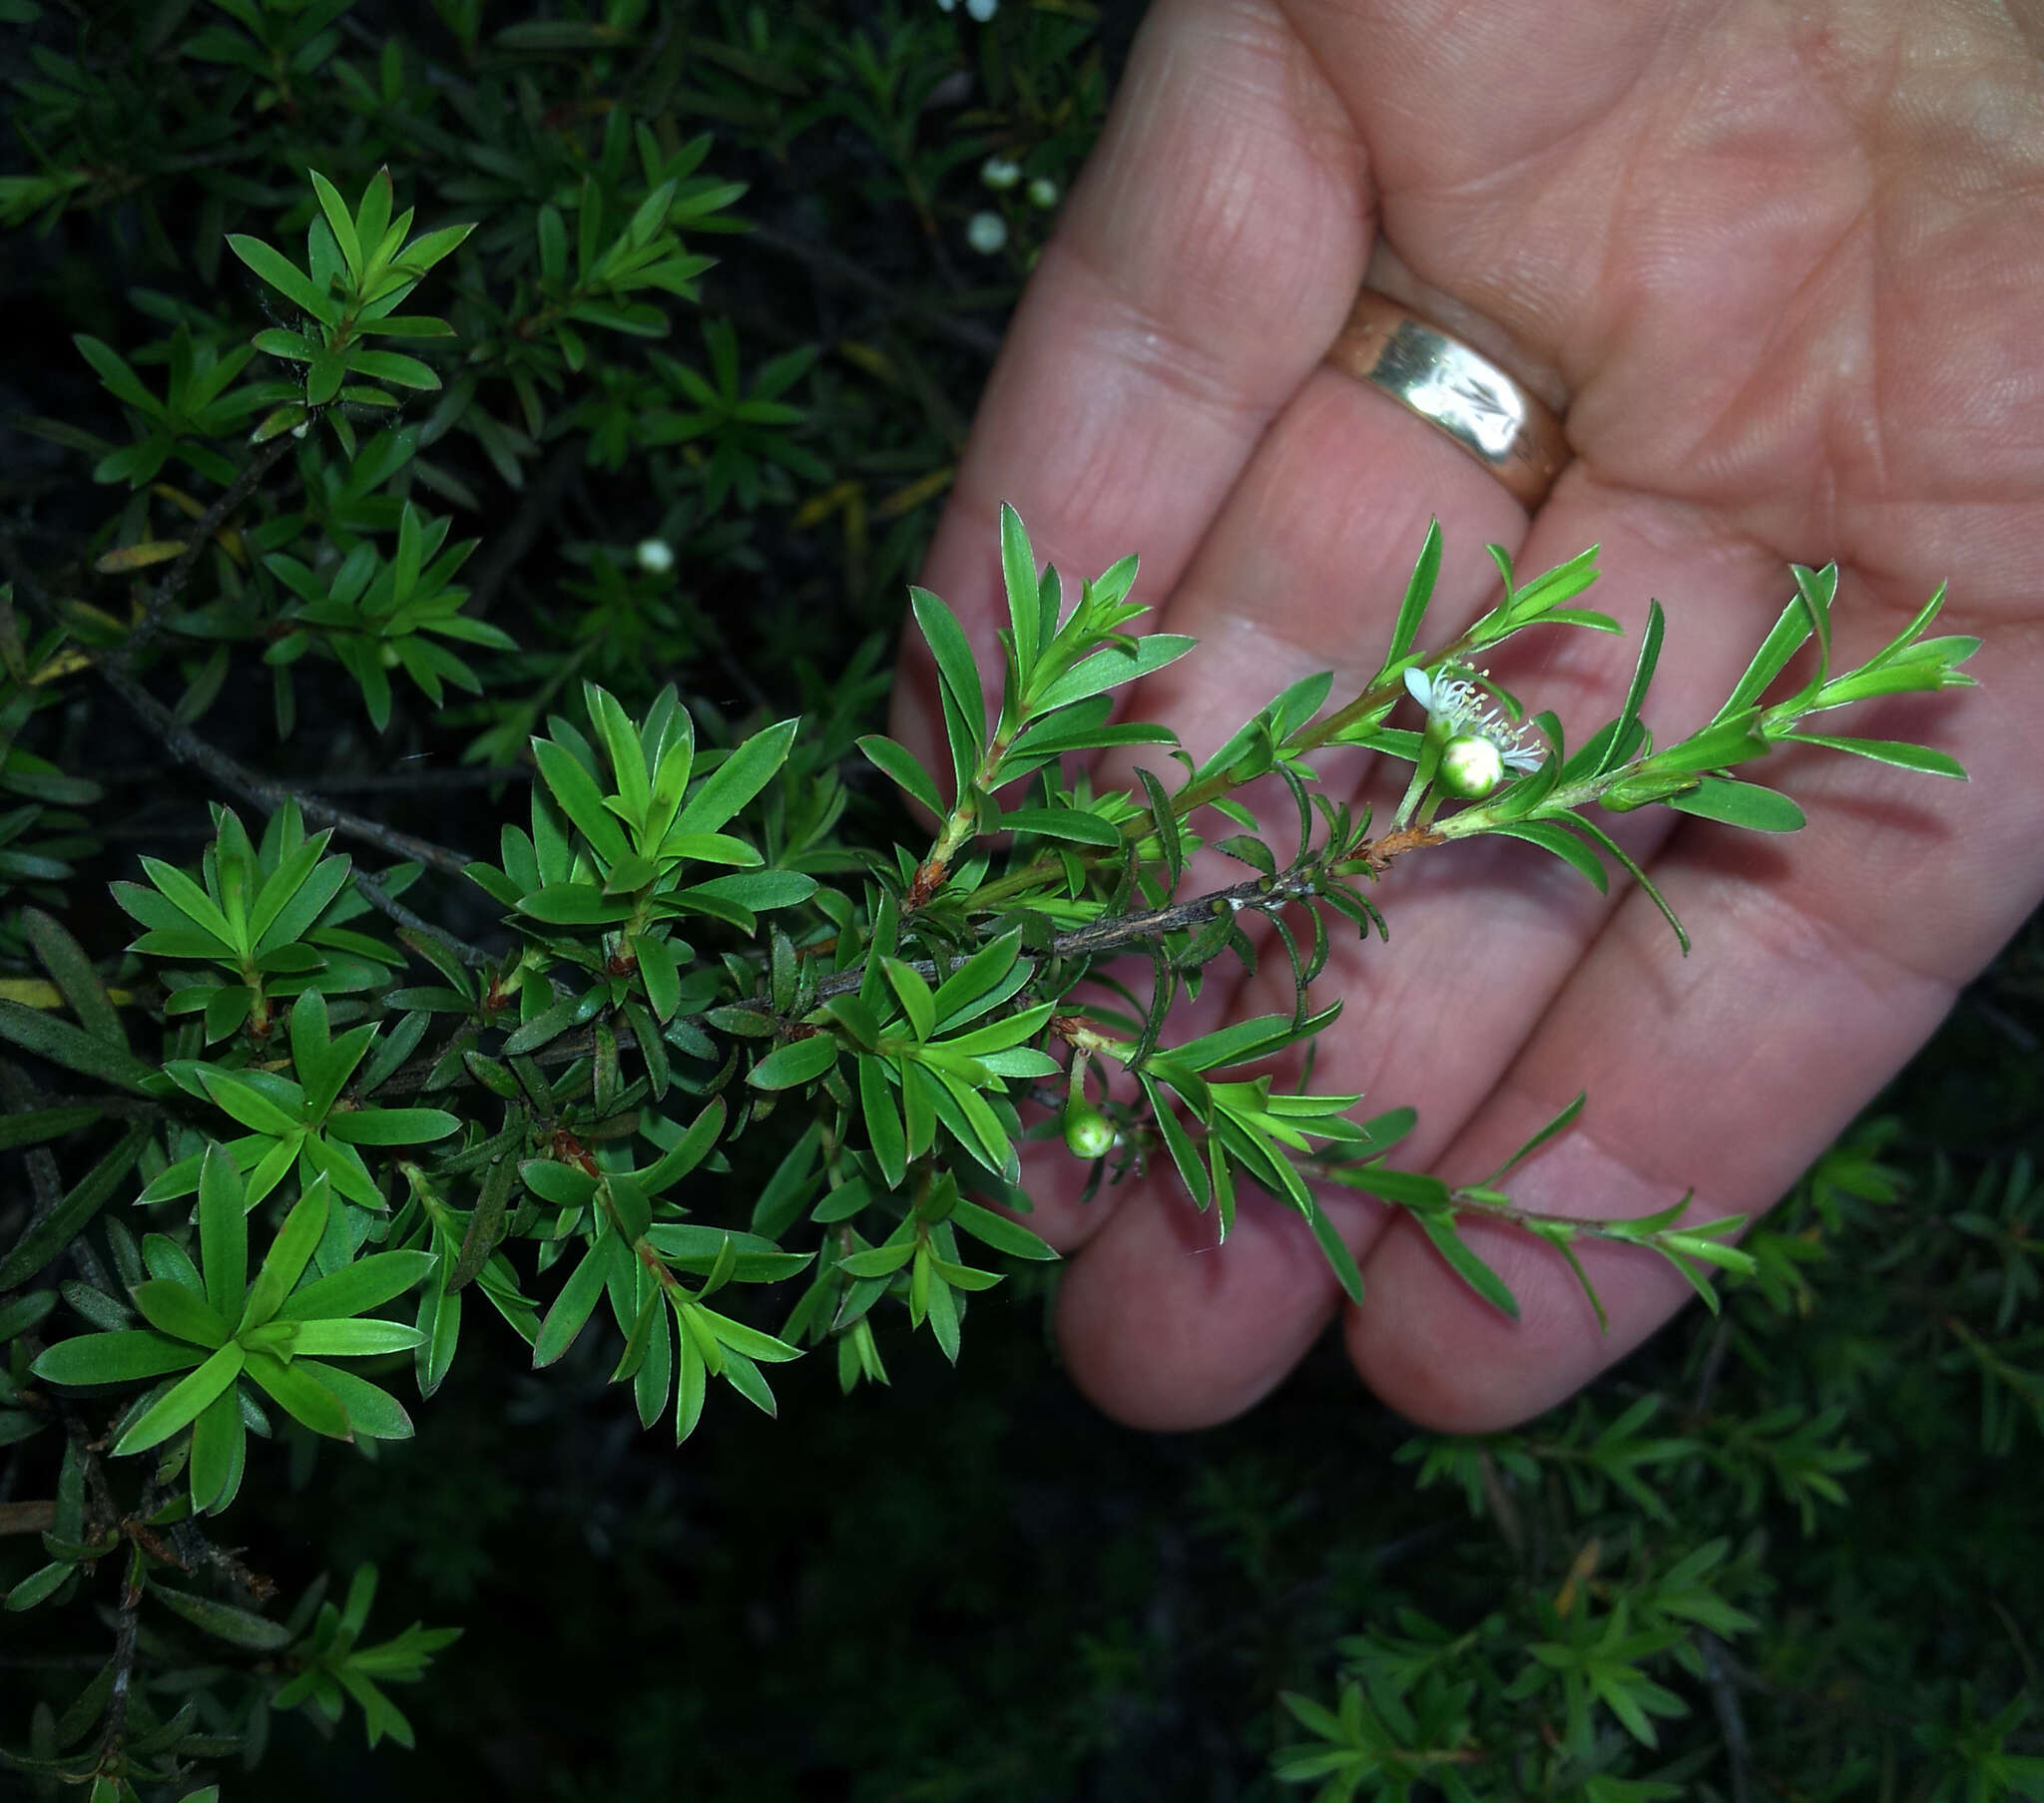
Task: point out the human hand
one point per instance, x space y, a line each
1785 269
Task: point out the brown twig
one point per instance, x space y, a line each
1122 930
841 270
210 522
370 887
36 1517
507 549
188 747
46 1185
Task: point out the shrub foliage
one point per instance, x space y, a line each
468 413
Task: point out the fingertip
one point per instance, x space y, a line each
1450 1362
1165 1330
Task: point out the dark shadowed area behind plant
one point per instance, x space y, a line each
1785 1551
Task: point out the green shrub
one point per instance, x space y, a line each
443 424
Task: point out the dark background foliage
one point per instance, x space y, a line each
965 1584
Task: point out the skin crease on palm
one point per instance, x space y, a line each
1784 264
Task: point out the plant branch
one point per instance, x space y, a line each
1118 931
37 1516
507 549
829 266
188 747
370 887
202 530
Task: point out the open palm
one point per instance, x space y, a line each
1785 267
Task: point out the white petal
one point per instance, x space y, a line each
1419 685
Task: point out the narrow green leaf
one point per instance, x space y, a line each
1419 592
748 1340
1737 804
571 1310
391 1126
1560 1123
282 274
1463 1260
1071 823
801 1061
1335 1251
297 1389
219 1445
355 1338
170 1308
43 1241
898 762
1619 856
688 1152
365 1284
756 890
109 1061
913 993
223 1621
35 1125
1643 674
1114 666
1816 589
998 1231
1552 836
955 666
1018 576
246 1103
1164 820
128 1356
180 1405
1885 750
289 1254
72 971
736 781
957 998
1784 639
581 801
340 222
883 1120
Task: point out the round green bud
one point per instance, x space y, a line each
1470 767
1088 1132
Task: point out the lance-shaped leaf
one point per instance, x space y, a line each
180 1406
297 1389
289 1254
127 1356
736 781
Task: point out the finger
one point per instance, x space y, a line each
1202 265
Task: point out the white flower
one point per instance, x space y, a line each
986 233
980 11
656 556
1456 709
1000 173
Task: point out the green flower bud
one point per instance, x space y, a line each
1470 767
1088 1132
